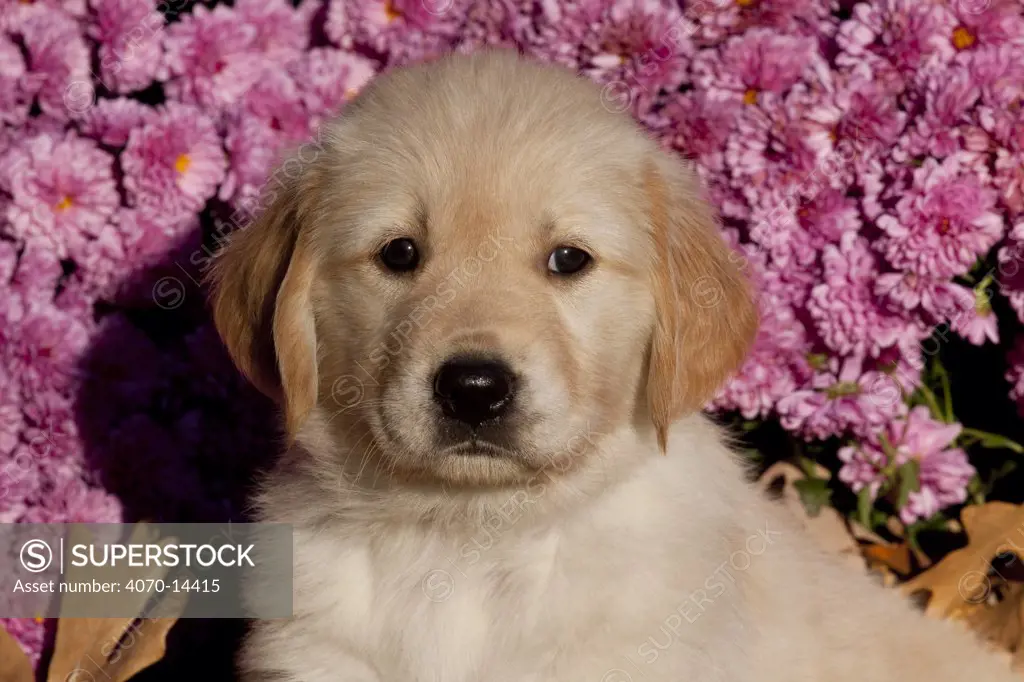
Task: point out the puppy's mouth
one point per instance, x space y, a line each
475 447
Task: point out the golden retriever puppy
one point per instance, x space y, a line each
491 311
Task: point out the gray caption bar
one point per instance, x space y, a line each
153 570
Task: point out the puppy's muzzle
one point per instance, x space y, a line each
474 390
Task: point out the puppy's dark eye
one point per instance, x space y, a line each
565 260
400 255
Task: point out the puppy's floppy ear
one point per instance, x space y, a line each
261 283
706 317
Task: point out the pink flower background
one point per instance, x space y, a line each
867 158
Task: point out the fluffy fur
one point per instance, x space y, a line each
603 531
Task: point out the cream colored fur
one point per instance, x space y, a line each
584 553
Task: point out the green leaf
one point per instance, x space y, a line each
910 481
865 504
992 440
924 396
814 493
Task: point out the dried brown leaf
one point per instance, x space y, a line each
964 585
113 649
896 557
14 664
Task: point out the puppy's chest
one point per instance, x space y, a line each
455 607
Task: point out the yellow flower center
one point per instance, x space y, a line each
750 96
37 619
350 93
963 38
64 204
746 3
390 12
182 163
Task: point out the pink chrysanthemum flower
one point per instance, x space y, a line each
841 398
717 19
1009 180
499 23
1011 269
775 367
778 150
937 299
404 30
843 307
977 323
14 102
328 78
210 57
281 30
14 13
862 118
38 272
130 33
132 242
950 94
277 100
254 149
11 418
998 71
112 120
944 471
1015 373
986 22
44 354
174 163
795 230
907 33
58 65
777 364
700 127
943 223
62 189
758 61
636 48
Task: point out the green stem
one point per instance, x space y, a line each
933 403
947 394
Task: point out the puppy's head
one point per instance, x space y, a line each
477 273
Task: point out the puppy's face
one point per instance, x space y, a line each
480 274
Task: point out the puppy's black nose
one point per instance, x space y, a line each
474 390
